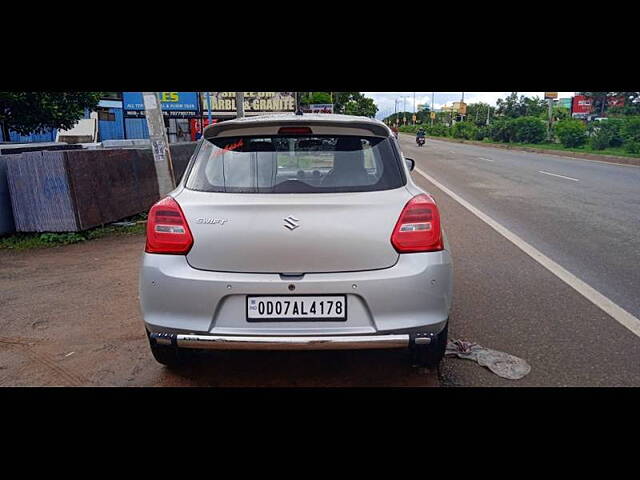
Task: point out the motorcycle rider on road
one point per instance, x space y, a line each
421 134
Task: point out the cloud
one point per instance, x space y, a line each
386 100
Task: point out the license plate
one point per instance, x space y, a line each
297 308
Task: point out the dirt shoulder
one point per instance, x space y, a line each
70 317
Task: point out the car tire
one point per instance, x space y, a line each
168 356
430 355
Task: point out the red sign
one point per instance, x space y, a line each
615 101
582 105
197 124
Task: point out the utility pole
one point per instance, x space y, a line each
488 113
239 104
396 111
159 143
550 119
209 106
433 99
404 109
414 108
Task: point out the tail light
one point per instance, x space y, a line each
294 131
418 228
167 229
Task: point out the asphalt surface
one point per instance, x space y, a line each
503 299
590 226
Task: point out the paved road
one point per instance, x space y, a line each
587 220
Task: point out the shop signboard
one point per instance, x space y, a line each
172 104
255 103
318 108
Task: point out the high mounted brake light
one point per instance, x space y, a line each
167 229
294 131
418 228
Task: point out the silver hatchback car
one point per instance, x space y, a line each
296 232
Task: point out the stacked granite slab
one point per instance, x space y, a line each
6 213
180 155
70 191
17 148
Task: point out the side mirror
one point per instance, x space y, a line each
411 163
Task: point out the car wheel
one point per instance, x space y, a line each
430 355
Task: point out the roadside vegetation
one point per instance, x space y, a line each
524 122
20 241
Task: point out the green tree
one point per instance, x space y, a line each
631 134
354 103
514 107
349 103
466 130
363 106
400 116
558 113
36 112
571 132
607 133
341 99
631 104
528 130
509 107
309 98
477 113
501 130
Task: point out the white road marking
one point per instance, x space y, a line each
487 159
614 310
556 175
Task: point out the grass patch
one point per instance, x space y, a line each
619 151
23 241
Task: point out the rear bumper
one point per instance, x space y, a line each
336 342
177 299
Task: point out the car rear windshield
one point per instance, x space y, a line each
295 164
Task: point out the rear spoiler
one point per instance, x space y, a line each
234 128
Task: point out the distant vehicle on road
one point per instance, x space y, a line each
270 243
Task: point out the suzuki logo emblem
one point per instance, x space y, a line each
291 222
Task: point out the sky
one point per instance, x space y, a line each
385 100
